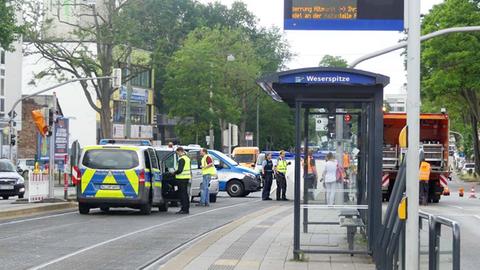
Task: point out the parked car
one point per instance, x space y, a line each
468 168
170 158
11 182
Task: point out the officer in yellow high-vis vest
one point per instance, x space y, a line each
183 174
281 176
208 170
424 181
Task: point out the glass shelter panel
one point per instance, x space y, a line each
334 171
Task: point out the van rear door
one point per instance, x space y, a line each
110 173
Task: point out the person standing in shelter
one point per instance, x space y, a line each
208 170
170 145
424 178
281 177
183 174
330 178
267 172
311 175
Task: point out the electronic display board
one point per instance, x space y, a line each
344 15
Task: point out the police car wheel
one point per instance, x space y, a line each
235 188
146 209
83 209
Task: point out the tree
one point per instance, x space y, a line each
99 38
333 61
451 64
203 87
9 30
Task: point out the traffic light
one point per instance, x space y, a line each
331 127
13 139
39 121
347 131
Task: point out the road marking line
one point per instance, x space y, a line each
458 207
132 233
477 216
37 218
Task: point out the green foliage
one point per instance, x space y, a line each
333 61
451 64
9 31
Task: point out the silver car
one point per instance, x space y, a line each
11 182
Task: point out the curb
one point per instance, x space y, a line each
14 213
183 258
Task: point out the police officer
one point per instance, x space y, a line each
281 174
424 178
267 171
182 179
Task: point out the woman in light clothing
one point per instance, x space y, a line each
330 178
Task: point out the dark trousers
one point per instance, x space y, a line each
182 185
267 185
423 192
310 183
281 186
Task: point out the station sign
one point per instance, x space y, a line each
328 77
385 15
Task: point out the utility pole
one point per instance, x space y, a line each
51 158
210 132
258 121
413 123
129 95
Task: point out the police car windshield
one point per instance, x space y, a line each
112 159
226 158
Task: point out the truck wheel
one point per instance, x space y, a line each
5 197
146 209
436 199
213 198
235 188
163 207
83 209
20 196
105 209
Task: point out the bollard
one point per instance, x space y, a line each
461 191
472 193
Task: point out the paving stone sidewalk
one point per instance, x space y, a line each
265 242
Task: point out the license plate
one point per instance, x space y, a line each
110 187
6 187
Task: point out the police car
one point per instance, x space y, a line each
119 176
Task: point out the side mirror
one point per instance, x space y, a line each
289 163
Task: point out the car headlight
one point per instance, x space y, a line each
20 180
251 175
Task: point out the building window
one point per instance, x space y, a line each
2 87
142 78
2 57
2 105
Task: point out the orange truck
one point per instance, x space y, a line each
434 140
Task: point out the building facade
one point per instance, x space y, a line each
397 102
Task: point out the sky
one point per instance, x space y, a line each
308 47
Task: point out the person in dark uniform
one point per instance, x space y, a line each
267 172
182 179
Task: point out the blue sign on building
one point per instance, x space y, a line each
384 15
328 78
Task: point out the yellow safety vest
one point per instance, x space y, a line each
210 170
424 171
282 166
185 174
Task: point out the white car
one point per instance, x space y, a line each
467 167
197 178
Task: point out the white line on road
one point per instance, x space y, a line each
458 207
37 218
477 216
132 233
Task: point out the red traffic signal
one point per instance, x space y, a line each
347 117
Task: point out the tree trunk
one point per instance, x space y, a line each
476 149
105 123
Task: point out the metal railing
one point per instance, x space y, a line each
435 229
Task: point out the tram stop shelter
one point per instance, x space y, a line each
337 111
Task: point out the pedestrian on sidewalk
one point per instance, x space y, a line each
310 177
267 172
183 175
208 170
424 179
330 177
281 177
